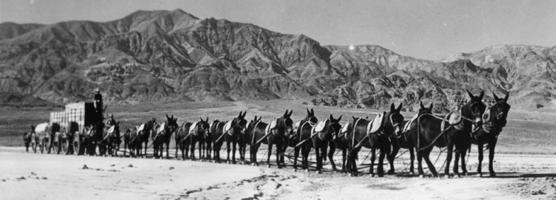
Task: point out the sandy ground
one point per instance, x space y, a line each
40 176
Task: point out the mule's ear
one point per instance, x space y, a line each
471 96
201 118
421 105
207 120
399 107
339 118
495 97
507 96
430 107
312 112
392 107
286 113
290 114
331 117
308 111
481 95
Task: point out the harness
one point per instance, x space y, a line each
313 132
253 136
221 135
443 119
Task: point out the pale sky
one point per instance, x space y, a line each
431 29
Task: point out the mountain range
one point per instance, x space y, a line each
164 56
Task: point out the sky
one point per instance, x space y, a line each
429 29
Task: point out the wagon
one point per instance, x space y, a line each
80 114
83 113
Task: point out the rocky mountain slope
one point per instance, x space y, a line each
160 56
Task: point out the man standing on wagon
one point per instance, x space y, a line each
98 105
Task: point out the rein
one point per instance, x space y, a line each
310 137
221 135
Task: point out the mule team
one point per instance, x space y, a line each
472 123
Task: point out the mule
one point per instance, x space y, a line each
321 136
277 133
163 135
127 141
29 139
110 142
340 141
402 139
302 127
493 121
216 137
144 131
69 143
234 131
42 136
373 135
59 141
430 133
459 138
54 132
86 140
198 133
182 138
255 134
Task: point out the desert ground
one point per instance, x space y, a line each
525 164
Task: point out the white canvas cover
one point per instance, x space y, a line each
141 127
227 126
320 126
454 118
345 127
408 124
41 128
374 126
111 129
192 127
161 128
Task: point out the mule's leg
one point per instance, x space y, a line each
491 146
463 167
323 156
201 146
354 163
269 153
456 162
344 160
392 156
373 157
234 143
479 165
186 147
318 158
384 151
331 155
295 156
426 156
449 158
277 153
420 163
306 149
209 149
412 158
